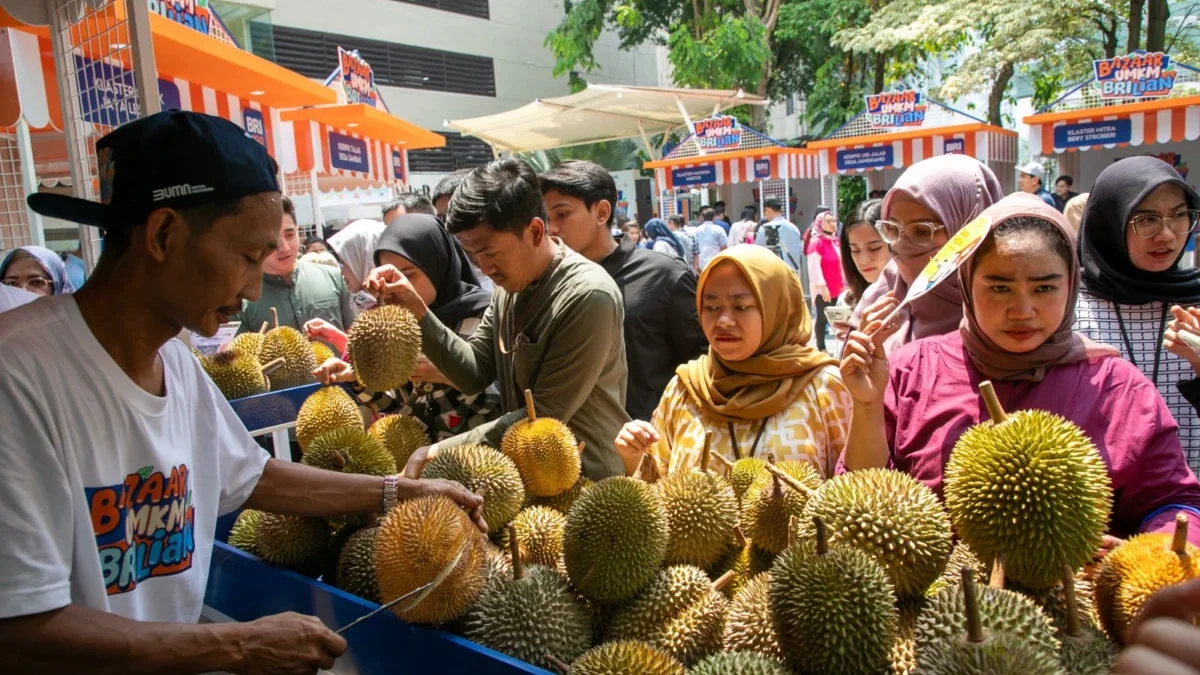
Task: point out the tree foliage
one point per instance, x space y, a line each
612 155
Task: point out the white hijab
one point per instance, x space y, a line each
355 246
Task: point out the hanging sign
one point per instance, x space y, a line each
762 168
358 80
195 14
397 166
252 122
348 153
954 146
719 132
108 95
1147 75
1087 134
881 157
694 175
895 109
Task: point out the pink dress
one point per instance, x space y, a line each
932 398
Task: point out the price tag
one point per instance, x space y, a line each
211 345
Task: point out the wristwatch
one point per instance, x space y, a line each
391 491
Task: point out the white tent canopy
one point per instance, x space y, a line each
602 112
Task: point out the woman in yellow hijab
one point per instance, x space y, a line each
761 388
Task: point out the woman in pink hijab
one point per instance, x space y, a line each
932 200
1019 292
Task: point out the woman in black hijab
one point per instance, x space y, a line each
418 246
1137 223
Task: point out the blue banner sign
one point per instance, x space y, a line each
252 122
108 95
1092 133
348 153
881 157
397 166
694 175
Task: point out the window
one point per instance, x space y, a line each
461 152
314 54
791 104
475 8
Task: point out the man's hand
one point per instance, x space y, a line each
289 644
427 372
333 371
469 501
417 461
1164 640
390 286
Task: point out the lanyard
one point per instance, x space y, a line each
1162 327
757 437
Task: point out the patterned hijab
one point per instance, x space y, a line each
770 380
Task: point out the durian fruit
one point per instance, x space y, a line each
962 555
743 474
236 374
561 502
349 450
289 344
1053 601
244 534
745 560
321 351
293 541
383 345
497 565
834 608
339 534
739 663
400 435
539 532
248 343
356 566
975 647
485 471
615 539
626 657
325 409
1136 569
430 540
530 614
545 452
890 515
903 655
680 612
1030 485
748 624
1085 650
772 500
701 514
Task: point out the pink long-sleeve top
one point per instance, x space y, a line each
933 397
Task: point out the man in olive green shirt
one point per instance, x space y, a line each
299 291
554 326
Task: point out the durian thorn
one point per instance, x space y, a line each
704 454
822 537
997 578
339 460
793 530
263 329
971 602
272 366
515 550
787 480
1179 543
739 536
275 317
995 411
722 581
1074 629
530 411
557 663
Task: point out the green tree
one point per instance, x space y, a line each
612 155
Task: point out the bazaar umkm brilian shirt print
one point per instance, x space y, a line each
145 527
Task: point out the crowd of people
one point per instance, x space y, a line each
642 344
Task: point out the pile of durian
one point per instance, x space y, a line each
760 568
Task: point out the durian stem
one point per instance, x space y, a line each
339 460
971 602
787 480
995 411
822 537
514 549
530 411
272 366
275 317
647 470
704 454
997 578
723 460
723 581
793 530
739 536
557 663
1074 629
263 329
1179 543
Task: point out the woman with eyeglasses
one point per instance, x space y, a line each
930 202
37 270
1135 227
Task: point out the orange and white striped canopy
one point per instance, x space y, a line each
1163 120
984 142
739 167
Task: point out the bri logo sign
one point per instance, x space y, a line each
145 527
895 109
1145 75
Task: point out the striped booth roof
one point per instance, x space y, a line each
757 157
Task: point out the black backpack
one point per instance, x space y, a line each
771 242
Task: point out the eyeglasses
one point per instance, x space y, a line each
1150 225
32 284
918 231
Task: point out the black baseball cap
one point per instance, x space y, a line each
169 159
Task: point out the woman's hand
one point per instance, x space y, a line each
1186 321
427 372
841 329
1163 639
880 310
864 363
321 329
635 439
821 292
333 371
390 286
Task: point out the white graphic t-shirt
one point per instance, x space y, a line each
109 494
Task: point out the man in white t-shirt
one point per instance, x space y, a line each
119 453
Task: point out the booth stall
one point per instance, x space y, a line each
901 128
744 166
1140 104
